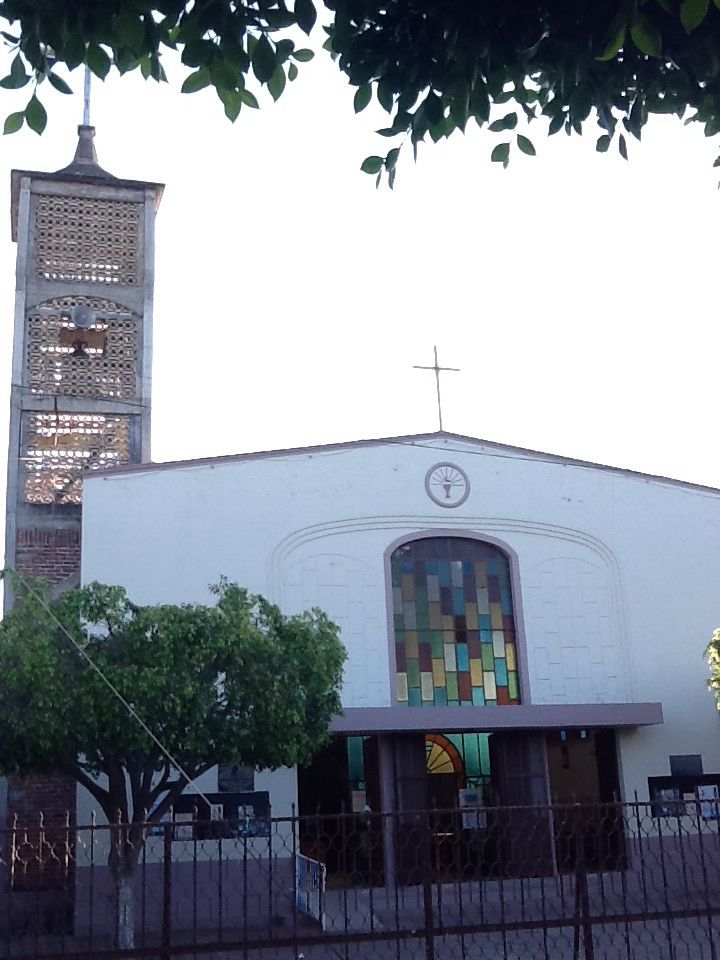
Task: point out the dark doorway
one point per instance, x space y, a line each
585 786
337 792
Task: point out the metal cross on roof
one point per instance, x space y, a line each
438 370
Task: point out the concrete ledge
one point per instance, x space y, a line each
368 720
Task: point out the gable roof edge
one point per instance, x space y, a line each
419 439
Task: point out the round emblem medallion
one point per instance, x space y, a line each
447 485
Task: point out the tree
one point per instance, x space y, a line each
433 65
712 653
236 682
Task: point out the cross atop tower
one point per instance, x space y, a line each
437 369
86 98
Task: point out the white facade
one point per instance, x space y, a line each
616 575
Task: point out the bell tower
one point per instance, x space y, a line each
81 374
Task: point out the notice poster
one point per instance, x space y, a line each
708 795
470 799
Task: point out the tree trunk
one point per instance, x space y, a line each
125 907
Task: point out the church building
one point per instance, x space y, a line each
520 628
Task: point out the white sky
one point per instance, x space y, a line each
577 292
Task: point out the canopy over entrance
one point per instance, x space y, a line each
528 716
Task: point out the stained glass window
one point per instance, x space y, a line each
454 624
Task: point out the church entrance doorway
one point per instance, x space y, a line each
481 800
585 785
337 793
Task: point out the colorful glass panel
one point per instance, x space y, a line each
454 624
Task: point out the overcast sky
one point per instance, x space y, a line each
576 291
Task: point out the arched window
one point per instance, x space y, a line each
454 624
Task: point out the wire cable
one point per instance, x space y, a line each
111 686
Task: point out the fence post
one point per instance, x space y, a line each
295 826
167 891
426 866
582 897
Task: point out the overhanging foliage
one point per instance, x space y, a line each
433 65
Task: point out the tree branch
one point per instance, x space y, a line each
92 786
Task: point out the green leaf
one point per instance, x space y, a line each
525 145
603 144
692 13
7 83
480 103
130 31
232 102
622 147
292 72
222 76
197 52
646 37
17 77
392 158
616 37
362 97
17 71
14 121
97 60
556 124
35 115
283 49
196 81
276 83
73 49
508 122
385 97
59 83
263 60
303 55
248 98
580 104
501 154
305 14
372 165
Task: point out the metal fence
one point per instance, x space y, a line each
514 883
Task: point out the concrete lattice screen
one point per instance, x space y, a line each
88 240
100 361
59 448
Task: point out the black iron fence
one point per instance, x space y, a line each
554 883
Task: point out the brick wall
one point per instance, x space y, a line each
53 553
41 809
